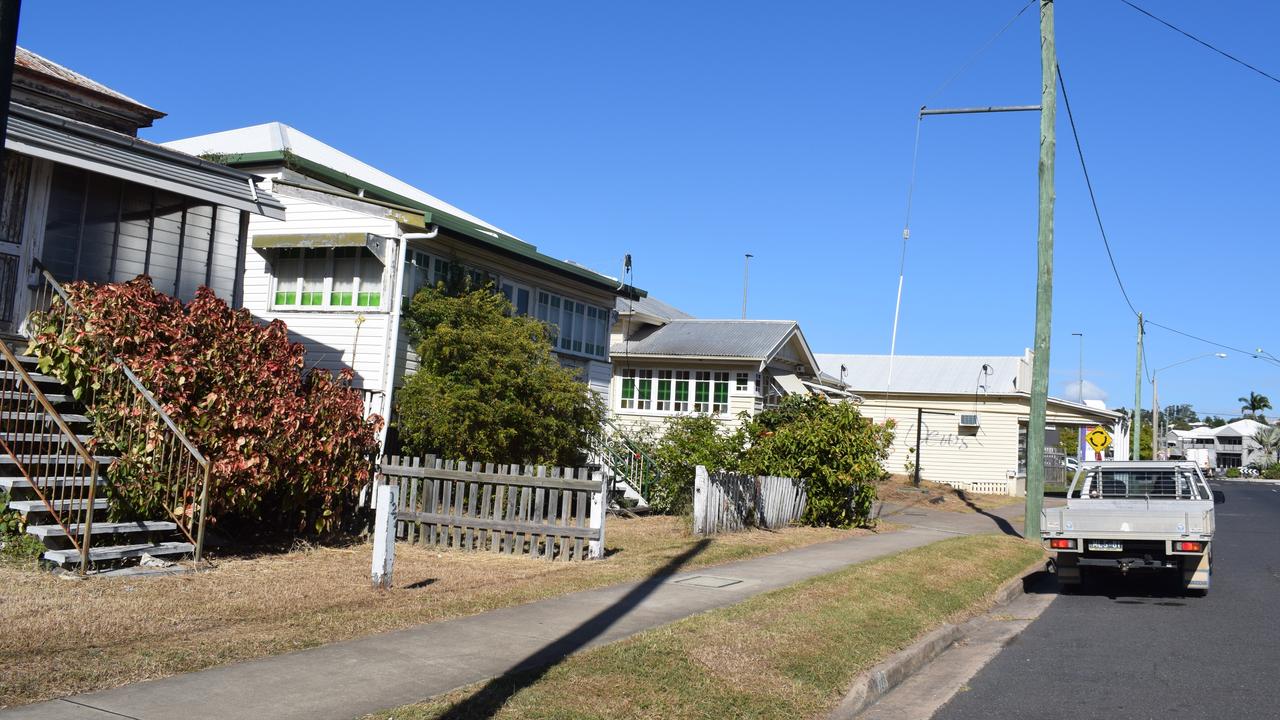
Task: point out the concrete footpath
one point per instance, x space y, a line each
349 679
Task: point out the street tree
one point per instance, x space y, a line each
1269 439
1254 404
488 388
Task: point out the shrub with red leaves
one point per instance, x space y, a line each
289 449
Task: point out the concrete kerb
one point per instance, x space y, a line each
875 683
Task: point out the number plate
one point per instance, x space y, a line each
1111 545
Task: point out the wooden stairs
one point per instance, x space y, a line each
47 479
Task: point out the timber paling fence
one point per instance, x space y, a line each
726 502
539 512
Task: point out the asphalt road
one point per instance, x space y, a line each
1136 648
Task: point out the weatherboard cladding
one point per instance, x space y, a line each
935 374
48 136
749 339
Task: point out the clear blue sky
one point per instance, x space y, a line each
690 133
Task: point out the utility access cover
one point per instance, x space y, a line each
707 581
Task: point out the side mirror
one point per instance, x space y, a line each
1219 497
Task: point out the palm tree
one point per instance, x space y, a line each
1269 440
1255 403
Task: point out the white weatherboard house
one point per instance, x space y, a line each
971 412
357 243
667 363
1228 446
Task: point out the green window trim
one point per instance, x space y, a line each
722 392
340 298
702 391
369 299
286 298
682 391
628 388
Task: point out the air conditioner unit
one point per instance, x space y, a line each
969 421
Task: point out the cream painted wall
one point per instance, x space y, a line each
949 455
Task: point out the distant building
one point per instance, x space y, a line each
969 412
1231 445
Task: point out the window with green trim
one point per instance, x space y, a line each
628 399
337 278
720 401
702 392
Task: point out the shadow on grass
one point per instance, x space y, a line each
489 699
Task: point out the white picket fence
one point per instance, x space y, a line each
726 502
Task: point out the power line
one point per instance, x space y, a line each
1220 51
1075 135
982 49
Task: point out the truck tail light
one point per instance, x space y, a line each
1184 546
1062 543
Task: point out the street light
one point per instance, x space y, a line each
1155 397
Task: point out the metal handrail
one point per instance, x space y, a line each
611 431
193 453
86 525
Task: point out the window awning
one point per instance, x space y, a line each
69 142
375 244
791 384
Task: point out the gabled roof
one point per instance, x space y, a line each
275 143
928 374
746 339
1245 428
651 307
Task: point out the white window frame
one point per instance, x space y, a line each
658 402
326 292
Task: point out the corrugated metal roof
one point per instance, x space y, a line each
651 306
24 58
747 339
52 137
276 142
941 374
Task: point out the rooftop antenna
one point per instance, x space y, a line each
746 269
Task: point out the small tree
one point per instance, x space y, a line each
837 452
488 387
1269 439
689 441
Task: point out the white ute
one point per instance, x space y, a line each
1134 516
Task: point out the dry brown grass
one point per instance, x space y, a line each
899 489
790 653
71 636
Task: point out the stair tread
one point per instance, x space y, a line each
28 459
55 398
25 415
38 377
27 506
103 528
117 552
39 437
9 482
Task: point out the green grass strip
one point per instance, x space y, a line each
790 653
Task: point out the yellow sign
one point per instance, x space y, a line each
1098 439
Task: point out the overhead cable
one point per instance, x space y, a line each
1209 45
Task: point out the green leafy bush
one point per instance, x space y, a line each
289 449
16 546
488 387
837 451
1233 472
686 442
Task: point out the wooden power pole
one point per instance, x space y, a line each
1137 400
1044 275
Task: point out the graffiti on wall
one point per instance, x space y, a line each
934 438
